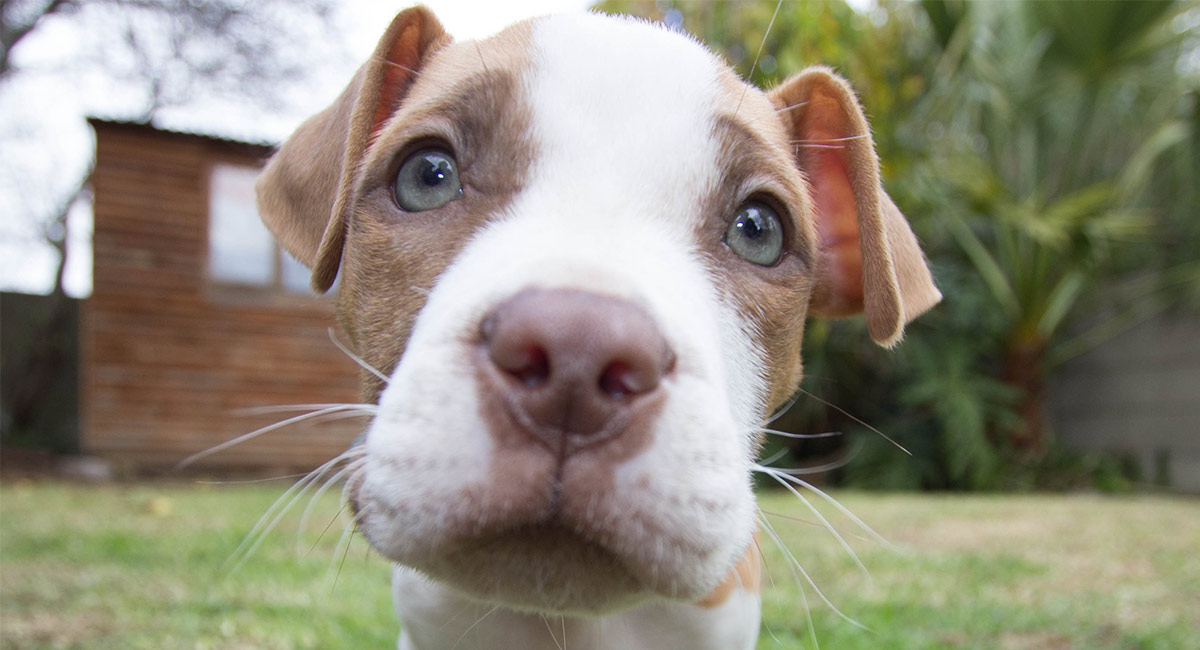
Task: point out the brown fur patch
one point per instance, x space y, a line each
772 301
392 258
745 575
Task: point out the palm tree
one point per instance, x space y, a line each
1057 114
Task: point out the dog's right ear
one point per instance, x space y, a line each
304 192
870 260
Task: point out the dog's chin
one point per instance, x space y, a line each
543 568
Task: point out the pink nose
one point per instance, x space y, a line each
573 366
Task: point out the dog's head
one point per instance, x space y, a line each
583 252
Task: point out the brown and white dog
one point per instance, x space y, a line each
582 253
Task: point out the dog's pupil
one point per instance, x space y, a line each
435 171
750 224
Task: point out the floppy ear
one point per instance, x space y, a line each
870 259
304 192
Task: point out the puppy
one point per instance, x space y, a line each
582 253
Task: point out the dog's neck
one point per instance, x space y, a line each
435 616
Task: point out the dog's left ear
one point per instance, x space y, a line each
304 192
870 259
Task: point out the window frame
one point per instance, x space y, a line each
226 290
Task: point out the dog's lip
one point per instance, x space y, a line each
533 534
551 520
562 560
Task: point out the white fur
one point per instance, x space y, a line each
437 617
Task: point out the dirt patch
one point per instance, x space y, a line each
1035 641
976 534
44 630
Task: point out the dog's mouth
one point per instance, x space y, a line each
543 567
544 561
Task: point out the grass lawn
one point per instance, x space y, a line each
140 566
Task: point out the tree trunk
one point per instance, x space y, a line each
1025 369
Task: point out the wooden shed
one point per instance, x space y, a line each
198 320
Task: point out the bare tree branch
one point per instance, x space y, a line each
13 29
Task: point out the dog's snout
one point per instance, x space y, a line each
573 363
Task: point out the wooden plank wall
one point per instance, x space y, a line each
170 359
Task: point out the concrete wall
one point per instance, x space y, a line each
1139 394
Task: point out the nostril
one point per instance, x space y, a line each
525 360
620 379
533 368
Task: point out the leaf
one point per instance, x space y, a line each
1136 173
1062 298
988 269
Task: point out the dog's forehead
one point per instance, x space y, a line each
621 103
593 73
607 100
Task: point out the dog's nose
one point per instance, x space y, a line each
573 365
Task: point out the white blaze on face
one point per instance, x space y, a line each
623 115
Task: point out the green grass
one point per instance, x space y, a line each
140 566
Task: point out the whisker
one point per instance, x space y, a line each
816 145
796 566
346 538
817 469
551 631
847 414
387 61
801 436
288 408
792 107
422 290
842 509
808 504
357 359
806 522
341 408
793 566
858 136
761 45
472 627
253 480
337 515
316 496
783 409
775 456
275 513
770 578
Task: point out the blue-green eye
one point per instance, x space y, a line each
756 234
428 179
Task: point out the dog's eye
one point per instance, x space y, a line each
427 179
756 234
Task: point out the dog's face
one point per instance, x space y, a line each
583 252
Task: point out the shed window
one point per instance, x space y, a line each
241 251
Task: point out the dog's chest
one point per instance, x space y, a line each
434 617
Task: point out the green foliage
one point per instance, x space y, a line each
1046 155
